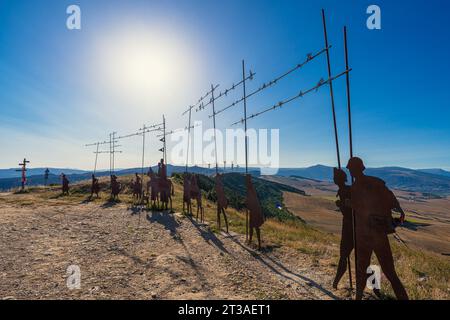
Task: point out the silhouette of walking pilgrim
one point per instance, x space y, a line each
116 187
340 178
372 203
137 187
95 187
222 201
256 218
65 185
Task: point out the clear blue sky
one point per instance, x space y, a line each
60 89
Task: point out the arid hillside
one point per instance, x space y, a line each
130 252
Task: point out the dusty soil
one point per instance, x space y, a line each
125 253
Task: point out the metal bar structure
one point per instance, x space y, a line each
202 103
199 105
331 88
215 98
246 143
245 116
301 94
164 141
225 92
189 138
142 132
189 127
96 158
168 133
274 81
143 162
214 123
351 155
97 152
334 112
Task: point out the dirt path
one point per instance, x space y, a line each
127 254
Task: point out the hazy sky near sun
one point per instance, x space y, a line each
134 60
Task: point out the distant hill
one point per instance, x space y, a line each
438 172
14 180
12 173
270 193
395 177
433 181
318 172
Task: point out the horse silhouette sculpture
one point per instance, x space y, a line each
166 191
187 204
116 188
196 194
222 201
95 187
255 212
136 186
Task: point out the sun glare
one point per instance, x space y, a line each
143 65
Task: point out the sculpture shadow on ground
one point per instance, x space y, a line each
165 219
285 272
110 203
209 236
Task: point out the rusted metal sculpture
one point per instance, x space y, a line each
196 194
162 170
153 188
187 204
343 203
222 201
165 186
65 185
256 217
137 187
116 187
166 191
95 187
373 203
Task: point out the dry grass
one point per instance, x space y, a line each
424 274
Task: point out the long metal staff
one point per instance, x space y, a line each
96 158
333 111
144 128
110 154
246 144
214 124
351 151
189 137
164 142
331 89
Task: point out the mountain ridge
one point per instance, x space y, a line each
422 180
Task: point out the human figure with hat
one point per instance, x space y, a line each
372 203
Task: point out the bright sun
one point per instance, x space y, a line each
143 65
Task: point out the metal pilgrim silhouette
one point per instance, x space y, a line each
365 202
373 203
